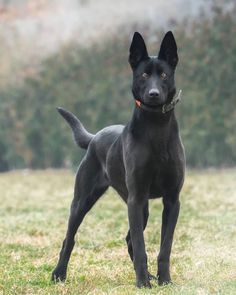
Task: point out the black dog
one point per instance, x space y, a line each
142 160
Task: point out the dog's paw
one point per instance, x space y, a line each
151 277
144 284
58 275
162 281
163 277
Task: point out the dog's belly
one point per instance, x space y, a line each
117 178
115 169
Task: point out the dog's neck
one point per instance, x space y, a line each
153 118
144 122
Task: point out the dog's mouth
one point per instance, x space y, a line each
154 105
152 102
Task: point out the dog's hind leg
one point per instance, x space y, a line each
90 185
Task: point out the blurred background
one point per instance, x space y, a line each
73 53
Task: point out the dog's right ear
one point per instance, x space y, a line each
137 51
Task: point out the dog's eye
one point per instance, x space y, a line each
145 76
163 76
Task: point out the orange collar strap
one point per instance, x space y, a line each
138 103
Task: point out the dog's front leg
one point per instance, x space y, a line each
138 183
135 212
169 219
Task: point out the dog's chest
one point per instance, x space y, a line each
157 175
159 163
157 142
158 182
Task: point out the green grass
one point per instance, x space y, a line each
33 218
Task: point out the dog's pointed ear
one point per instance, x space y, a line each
168 50
137 51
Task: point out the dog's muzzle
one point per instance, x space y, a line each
164 108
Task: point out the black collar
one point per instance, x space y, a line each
164 108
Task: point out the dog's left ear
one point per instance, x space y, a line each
168 50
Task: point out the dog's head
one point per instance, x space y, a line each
153 76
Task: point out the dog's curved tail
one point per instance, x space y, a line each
81 135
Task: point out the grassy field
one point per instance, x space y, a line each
33 218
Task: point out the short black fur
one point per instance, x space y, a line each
142 160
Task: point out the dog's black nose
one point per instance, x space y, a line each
154 92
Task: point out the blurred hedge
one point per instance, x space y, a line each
95 84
